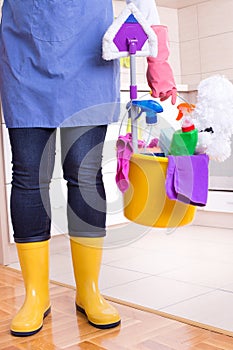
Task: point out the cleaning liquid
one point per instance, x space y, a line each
151 136
151 130
184 141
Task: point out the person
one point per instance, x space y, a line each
52 75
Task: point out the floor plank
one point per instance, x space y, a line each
64 329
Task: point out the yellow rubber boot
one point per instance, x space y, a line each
87 256
34 262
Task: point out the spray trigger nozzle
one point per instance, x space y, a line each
150 107
184 108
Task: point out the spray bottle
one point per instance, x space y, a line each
184 141
151 132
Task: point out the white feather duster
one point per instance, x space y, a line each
214 108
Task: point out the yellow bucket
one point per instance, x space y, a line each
146 202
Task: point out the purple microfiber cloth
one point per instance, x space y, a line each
187 179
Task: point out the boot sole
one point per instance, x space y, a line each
100 326
26 334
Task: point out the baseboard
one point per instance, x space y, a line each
214 219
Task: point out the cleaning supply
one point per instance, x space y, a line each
129 122
129 26
159 73
124 148
166 135
33 258
213 117
130 35
184 140
151 133
86 257
186 109
145 201
184 180
124 151
204 140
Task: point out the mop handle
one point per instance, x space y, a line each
133 92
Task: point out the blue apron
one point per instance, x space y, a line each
51 68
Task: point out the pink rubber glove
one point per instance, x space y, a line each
124 151
159 73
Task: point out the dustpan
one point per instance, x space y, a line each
145 201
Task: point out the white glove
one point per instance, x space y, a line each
148 9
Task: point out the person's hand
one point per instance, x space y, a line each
159 73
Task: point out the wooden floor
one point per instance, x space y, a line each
64 329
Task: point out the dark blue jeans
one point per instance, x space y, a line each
33 155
